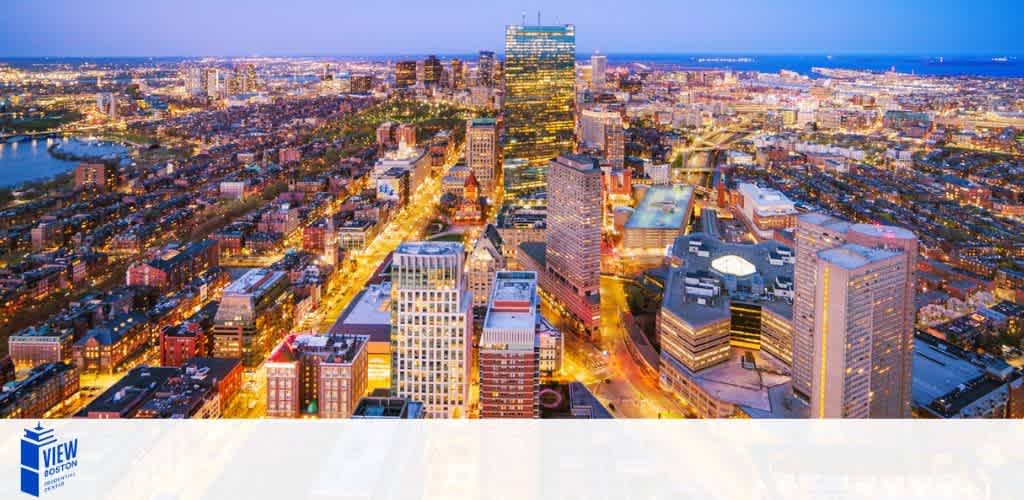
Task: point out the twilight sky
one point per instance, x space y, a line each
366 27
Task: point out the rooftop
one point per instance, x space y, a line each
947 379
512 314
387 407
662 207
751 389
331 348
852 256
430 248
255 282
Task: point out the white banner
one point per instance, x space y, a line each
614 459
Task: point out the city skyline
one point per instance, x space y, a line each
117 28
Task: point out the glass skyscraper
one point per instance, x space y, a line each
539 91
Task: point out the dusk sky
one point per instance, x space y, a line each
343 27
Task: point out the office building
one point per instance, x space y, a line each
598 72
524 184
482 154
765 210
723 327
509 351
485 69
574 222
658 219
602 131
316 376
432 72
432 327
255 312
213 86
457 74
568 262
853 318
539 91
405 74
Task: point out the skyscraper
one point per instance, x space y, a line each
485 69
598 68
431 330
853 318
458 74
432 70
603 130
574 222
509 351
405 74
482 152
213 89
539 91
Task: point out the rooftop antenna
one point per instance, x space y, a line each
524 18
538 17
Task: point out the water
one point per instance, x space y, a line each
28 161
933 65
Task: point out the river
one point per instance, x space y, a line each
29 160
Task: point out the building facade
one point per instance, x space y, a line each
317 376
509 349
431 328
539 91
482 155
853 318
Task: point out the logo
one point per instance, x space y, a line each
46 462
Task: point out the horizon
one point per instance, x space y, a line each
190 28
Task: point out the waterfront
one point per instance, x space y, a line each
29 160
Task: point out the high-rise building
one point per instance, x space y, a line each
539 91
317 375
195 81
482 152
509 351
485 69
574 222
853 318
602 130
432 70
457 74
431 334
405 74
568 262
213 88
598 69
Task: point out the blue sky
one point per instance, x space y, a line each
31 28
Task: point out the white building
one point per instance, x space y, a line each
432 327
766 210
